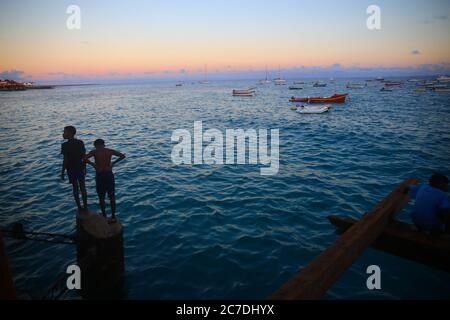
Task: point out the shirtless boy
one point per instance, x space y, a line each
104 177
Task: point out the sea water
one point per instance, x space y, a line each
202 231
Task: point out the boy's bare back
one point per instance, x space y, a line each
103 158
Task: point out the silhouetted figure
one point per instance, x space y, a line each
104 178
74 152
431 210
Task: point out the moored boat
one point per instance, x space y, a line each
336 98
441 89
279 82
313 109
443 79
319 84
244 93
295 88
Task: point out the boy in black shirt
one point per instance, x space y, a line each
74 151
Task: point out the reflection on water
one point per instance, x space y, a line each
220 231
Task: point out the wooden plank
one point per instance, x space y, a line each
403 240
317 277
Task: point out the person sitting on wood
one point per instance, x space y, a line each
431 211
104 178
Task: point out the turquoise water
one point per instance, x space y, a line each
221 231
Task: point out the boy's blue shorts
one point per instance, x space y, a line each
105 183
75 175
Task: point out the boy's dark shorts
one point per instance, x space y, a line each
105 184
75 175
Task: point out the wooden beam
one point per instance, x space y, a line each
403 240
317 277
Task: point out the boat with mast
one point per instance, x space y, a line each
266 80
205 80
279 81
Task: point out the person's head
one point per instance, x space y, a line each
69 132
439 181
99 143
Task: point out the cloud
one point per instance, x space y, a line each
12 74
441 17
415 52
59 74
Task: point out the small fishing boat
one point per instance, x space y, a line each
392 83
279 82
443 79
319 84
384 89
244 93
250 90
248 94
295 88
441 90
312 109
337 98
266 80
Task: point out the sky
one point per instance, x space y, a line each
231 39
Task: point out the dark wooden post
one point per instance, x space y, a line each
100 256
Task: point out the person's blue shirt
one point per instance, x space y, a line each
429 202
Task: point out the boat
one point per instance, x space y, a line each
295 88
420 89
384 89
404 240
179 85
392 83
336 98
244 93
295 99
379 79
356 86
313 109
332 99
441 90
443 79
266 80
250 94
250 90
205 80
319 84
279 82
299 82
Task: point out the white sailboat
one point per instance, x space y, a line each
279 81
205 81
266 80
